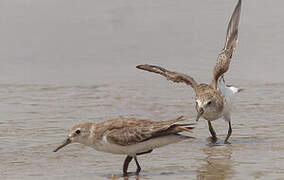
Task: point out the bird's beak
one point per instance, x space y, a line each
199 113
66 142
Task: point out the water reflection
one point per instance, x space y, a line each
217 163
136 177
130 176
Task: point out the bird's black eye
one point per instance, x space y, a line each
209 102
78 131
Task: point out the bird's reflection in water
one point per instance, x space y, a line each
136 177
217 163
130 176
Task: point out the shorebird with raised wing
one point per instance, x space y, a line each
213 100
128 136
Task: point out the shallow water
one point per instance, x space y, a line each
85 71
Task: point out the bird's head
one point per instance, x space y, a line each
80 133
209 106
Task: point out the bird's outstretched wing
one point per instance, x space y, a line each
172 76
143 130
224 58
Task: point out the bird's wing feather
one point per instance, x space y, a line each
172 76
224 58
142 131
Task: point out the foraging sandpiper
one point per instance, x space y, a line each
213 100
128 136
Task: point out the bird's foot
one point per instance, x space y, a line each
212 139
227 142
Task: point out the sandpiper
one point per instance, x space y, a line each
128 136
213 100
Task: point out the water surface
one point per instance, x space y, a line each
65 62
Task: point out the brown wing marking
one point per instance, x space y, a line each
172 76
224 58
141 132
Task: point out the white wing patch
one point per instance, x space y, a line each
227 91
234 89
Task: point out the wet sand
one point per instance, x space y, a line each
76 62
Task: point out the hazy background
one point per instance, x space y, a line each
75 42
67 61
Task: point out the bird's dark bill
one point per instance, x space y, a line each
66 142
198 116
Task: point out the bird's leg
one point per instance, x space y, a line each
128 160
125 164
214 137
138 166
229 133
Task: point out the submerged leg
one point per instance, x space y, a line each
229 133
138 166
214 137
128 159
126 163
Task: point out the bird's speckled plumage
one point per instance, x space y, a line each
128 136
211 100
